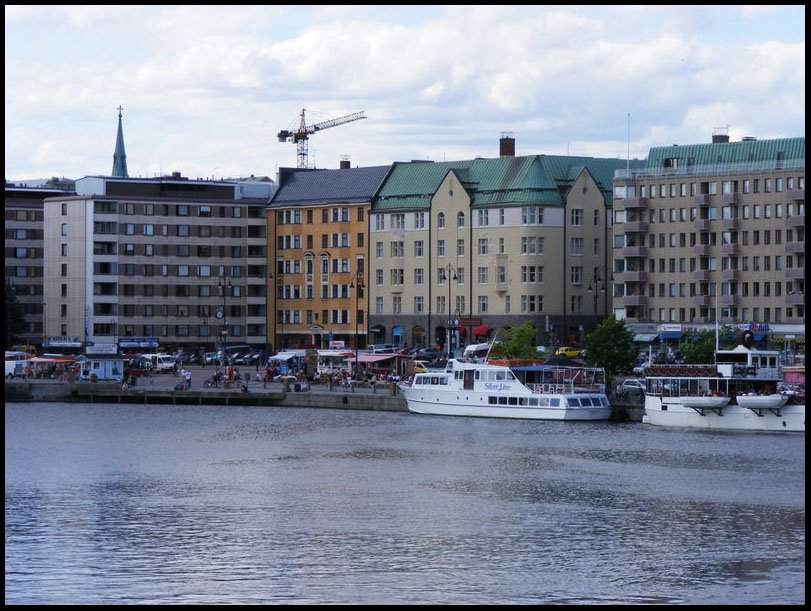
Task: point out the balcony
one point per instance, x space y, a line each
795 273
701 224
730 300
702 250
634 300
795 247
635 227
796 194
795 300
796 221
633 276
729 198
730 249
701 200
704 300
732 223
730 274
635 251
635 202
702 275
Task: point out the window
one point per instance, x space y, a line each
577 217
460 220
483 248
440 220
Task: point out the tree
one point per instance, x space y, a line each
515 343
611 347
15 316
701 349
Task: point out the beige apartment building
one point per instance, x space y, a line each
461 249
712 231
161 263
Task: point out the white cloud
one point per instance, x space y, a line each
207 87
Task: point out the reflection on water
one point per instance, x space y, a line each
181 504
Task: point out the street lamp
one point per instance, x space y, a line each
451 325
358 290
598 282
222 314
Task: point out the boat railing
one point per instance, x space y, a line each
547 388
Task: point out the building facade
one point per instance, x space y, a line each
712 231
459 249
24 243
165 263
317 248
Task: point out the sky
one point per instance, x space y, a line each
206 90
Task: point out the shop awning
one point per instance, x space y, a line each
481 330
759 337
671 335
645 337
374 358
283 356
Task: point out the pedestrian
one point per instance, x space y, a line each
265 377
187 376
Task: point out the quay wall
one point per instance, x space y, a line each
387 399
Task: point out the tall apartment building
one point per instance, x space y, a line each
713 227
459 249
317 252
24 250
170 262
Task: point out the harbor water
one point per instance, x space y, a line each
154 504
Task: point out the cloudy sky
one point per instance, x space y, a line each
205 90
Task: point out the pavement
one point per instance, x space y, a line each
252 377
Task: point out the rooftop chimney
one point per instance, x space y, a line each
345 165
506 145
720 134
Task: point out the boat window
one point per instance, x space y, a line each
500 375
554 402
522 400
510 375
586 401
502 400
605 402
492 400
443 380
573 402
533 401
513 400
543 401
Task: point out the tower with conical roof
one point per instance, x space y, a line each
120 157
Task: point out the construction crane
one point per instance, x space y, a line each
302 136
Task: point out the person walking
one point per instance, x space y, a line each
187 376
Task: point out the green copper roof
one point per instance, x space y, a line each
120 157
713 153
504 181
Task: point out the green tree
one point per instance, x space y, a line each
701 349
15 316
515 343
611 347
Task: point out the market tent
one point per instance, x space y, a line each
283 356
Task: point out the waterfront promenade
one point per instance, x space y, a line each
160 388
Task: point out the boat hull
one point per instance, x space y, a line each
470 405
661 412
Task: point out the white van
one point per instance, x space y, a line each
161 362
381 349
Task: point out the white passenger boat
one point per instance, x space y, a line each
738 392
495 391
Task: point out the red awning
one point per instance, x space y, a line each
481 331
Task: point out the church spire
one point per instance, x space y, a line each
120 157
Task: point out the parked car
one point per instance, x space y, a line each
631 387
568 352
421 366
428 354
